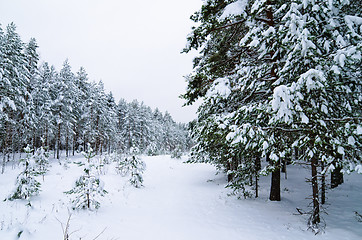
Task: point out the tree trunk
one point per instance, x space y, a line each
6 146
323 186
228 169
67 145
4 161
75 137
315 219
46 137
336 177
275 184
58 141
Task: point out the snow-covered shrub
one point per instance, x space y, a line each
86 191
122 167
152 150
177 153
136 169
101 165
26 184
133 167
240 184
88 188
41 157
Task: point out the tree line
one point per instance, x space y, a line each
280 83
63 111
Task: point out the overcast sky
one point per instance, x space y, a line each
133 46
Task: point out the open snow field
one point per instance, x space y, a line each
178 202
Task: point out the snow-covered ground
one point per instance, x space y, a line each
178 201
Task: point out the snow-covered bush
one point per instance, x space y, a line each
177 153
86 191
101 164
26 184
122 167
41 157
152 150
88 188
133 167
136 169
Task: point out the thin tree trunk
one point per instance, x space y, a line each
4 161
58 141
257 169
67 145
46 136
75 137
5 149
323 186
315 214
228 169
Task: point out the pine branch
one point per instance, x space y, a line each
225 26
286 129
267 21
342 119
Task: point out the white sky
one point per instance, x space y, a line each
133 46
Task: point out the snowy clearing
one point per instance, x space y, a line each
178 201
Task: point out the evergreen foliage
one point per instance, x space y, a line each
132 166
26 184
277 78
88 188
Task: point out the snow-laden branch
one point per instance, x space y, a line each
286 129
342 119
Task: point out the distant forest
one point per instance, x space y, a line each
63 111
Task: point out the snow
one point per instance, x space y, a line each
359 130
311 79
351 21
234 9
282 103
178 201
257 4
220 88
351 140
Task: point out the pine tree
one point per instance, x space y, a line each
26 183
136 168
41 158
88 187
276 76
13 92
133 167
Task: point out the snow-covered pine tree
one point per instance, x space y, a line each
136 168
41 158
222 26
13 91
81 88
68 105
321 98
26 184
276 75
132 166
88 188
43 96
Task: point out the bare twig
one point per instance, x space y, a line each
100 234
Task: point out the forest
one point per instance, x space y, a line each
63 111
280 86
